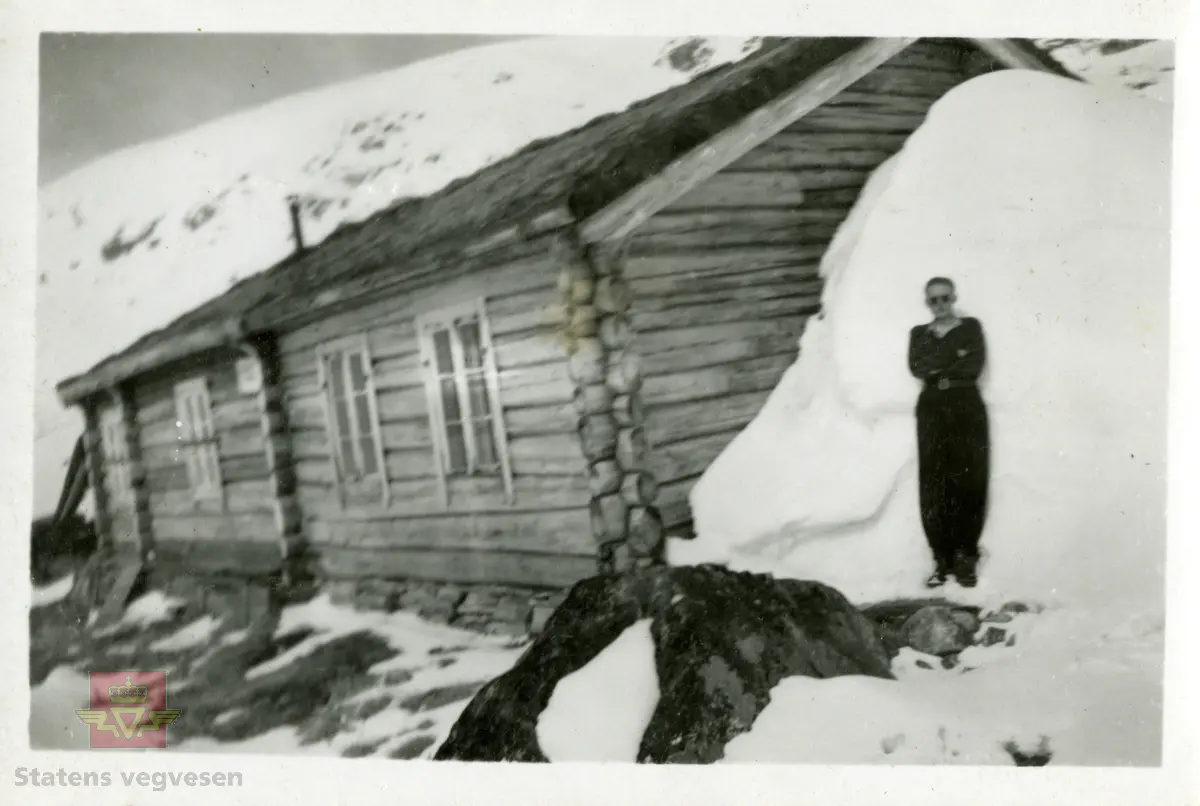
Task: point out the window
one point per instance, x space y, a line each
115 448
463 392
353 424
197 437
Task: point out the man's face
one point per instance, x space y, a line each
940 299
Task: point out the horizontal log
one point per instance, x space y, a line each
645 532
612 295
593 398
240 557
628 410
245 497
235 469
854 119
738 189
908 82
796 306
574 270
693 337
465 494
789 152
598 436
755 224
716 291
639 489
624 375
542 384
716 383
674 503
231 526
801 259
604 477
631 449
681 460
728 234
167 478
614 332
484 567
245 441
608 515
552 419
874 101
552 531
672 422
547 455
403 306
123 528
527 349
587 364
584 322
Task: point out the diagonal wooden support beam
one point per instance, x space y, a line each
627 213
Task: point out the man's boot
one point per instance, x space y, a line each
964 569
940 574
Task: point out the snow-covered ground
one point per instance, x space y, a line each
426 685
144 234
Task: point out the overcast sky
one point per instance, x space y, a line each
102 92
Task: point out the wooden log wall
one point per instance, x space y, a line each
235 533
139 500
594 305
280 459
542 537
724 279
97 478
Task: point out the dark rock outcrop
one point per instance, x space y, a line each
722 640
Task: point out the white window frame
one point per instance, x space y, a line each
428 325
114 446
347 347
197 438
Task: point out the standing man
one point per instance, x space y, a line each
953 441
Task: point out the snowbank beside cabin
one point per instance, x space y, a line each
1046 201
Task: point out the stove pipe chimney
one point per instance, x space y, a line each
297 232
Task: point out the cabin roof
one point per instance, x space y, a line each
558 179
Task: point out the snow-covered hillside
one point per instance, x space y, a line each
145 234
1147 68
136 238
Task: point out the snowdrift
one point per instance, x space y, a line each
1046 201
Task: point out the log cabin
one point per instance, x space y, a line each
469 401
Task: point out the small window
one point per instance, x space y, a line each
350 405
115 448
463 392
197 438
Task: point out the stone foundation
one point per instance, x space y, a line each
489 609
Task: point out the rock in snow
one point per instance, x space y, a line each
940 630
722 641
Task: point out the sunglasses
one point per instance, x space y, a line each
938 299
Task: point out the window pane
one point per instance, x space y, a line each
484 444
362 411
335 376
349 463
450 401
369 462
358 374
477 387
191 419
458 448
442 354
468 332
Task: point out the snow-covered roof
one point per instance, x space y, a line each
548 184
